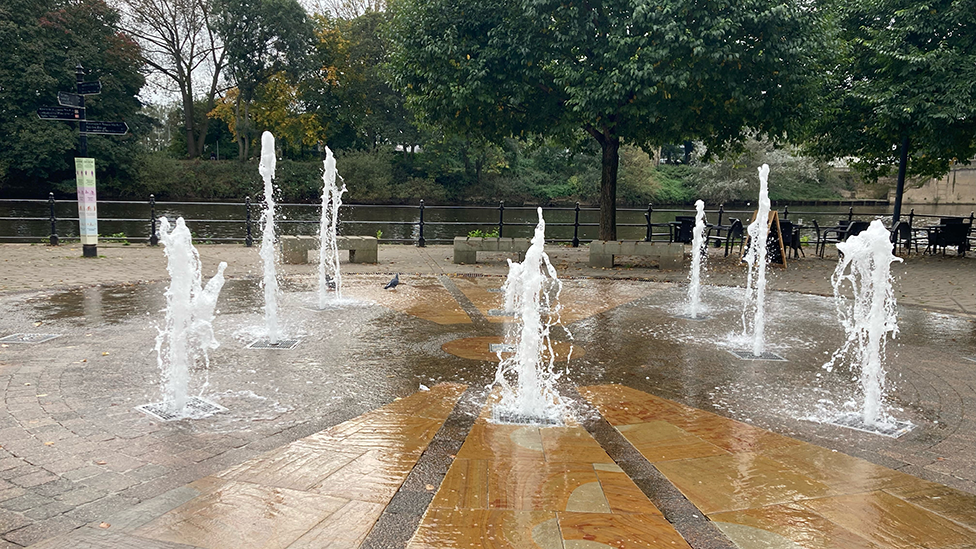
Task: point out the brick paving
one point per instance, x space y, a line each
72 451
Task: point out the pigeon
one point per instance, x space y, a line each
392 284
330 282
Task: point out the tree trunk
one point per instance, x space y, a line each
900 188
608 186
188 120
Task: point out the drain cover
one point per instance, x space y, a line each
499 312
28 338
510 418
283 344
747 355
893 429
501 348
196 408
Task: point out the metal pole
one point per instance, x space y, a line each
54 220
576 228
647 216
786 212
248 240
501 217
850 214
421 241
721 212
87 250
153 237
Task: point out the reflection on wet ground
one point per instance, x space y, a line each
727 420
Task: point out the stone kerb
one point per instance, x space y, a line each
466 248
669 256
362 249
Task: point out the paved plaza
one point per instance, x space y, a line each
374 430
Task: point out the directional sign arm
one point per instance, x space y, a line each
95 127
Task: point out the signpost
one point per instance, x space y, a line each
72 109
106 128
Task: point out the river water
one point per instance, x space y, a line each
23 221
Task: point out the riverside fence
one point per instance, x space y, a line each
54 221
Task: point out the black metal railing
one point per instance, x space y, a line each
419 222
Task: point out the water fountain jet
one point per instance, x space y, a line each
267 170
698 256
329 275
527 377
865 264
188 335
755 296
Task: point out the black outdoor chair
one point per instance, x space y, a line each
733 232
828 235
791 238
684 227
901 236
952 234
856 228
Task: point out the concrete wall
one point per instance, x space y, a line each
957 187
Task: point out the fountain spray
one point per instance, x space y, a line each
188 333
756 258
865 263
698 256
267 170
329 275
527 378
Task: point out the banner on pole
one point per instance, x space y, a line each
87 205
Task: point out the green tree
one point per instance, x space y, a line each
902 88
261 38
647 73
43 41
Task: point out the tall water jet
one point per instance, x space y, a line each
865 264
329 275
188 333
527 378
756 259
698 256
267 170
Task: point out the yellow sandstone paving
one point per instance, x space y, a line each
547 487
763 489
325 490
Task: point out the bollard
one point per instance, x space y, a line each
501 217
54 221
721 212
850 214
248 239
421 241
153 237
786 213
576 228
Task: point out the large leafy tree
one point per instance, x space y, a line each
649 73
43 41
179 43
902 90
261 38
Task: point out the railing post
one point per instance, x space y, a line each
911 217
421 241
576 228
647 216
501 217
153 237
972 217
54 220
786 213
721 212
850 214
248 239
